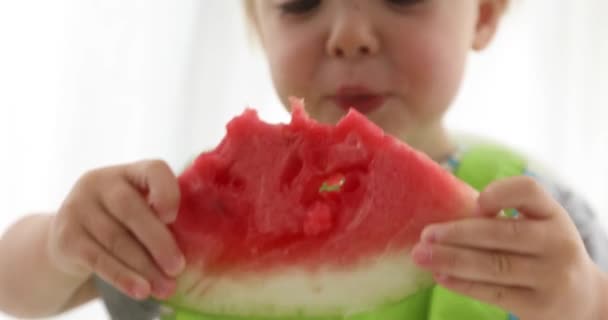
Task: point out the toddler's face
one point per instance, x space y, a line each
400 62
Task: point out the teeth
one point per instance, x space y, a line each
388 278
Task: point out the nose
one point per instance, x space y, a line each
352 36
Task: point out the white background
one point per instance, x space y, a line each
85 83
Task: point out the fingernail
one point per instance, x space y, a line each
430 234
176 265
173 216
440 277
169 217
477 211
422 254
140 289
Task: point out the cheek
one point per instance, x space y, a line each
431 67
293 65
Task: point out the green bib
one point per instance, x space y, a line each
478 167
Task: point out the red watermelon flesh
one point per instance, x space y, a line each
309 196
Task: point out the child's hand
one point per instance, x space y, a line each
535 266
113 224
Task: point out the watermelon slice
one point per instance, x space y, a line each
306 220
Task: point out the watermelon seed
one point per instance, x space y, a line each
333 184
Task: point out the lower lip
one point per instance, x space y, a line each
362 103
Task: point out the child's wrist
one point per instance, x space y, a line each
55 262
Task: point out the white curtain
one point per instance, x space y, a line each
86 83
543 88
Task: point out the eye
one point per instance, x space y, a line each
299 7
404 2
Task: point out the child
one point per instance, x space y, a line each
400 62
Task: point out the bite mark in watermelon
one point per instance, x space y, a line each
308 219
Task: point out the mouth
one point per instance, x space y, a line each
359 98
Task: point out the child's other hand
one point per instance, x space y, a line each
535 266
113 223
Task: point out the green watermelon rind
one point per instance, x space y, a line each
414 306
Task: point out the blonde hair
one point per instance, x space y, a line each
251 22
249 8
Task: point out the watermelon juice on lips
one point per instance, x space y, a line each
306 220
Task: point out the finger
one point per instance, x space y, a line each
126 205
120 243
159 183
94 257
505 297
521 193
522 236
476 265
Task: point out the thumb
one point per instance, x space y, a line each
158 183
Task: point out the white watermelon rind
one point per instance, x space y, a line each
298 294
414 306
